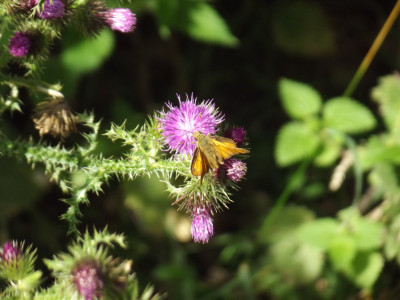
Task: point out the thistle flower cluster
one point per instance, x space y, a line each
90 15
177 125
88 270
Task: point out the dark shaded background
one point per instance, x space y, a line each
317 42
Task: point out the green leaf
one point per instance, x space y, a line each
299 99
300 263
366 268
387 94
379 149
287 222
319 233
366 233
383 177
197 19
296 141
330 153
347 115
392 245
88 54
208 26
342 250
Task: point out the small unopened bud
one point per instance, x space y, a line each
237 134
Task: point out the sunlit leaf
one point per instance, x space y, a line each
296 141
347 115
366 268
387 94
197 19
366 233
329 154
299 99
342 250
379 149
319 232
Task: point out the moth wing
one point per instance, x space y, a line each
226 147
200 165
227 142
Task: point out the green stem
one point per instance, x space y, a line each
38 85
293 185
357 169
373 50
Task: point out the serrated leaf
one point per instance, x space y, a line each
296 141
319 233
299 99
387 94
342 250
347 115
88 54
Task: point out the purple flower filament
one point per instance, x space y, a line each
179 123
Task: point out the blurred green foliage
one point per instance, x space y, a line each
318 244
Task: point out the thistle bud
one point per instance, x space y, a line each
202 225
88 280
233 169
237 134
52 10
20 44
120 19
10 252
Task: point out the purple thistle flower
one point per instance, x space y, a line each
238 135
202 225
54 10
179 123
10 252
88 280
120 19
20 44
233 169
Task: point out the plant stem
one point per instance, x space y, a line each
295 180
373 50
34 84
